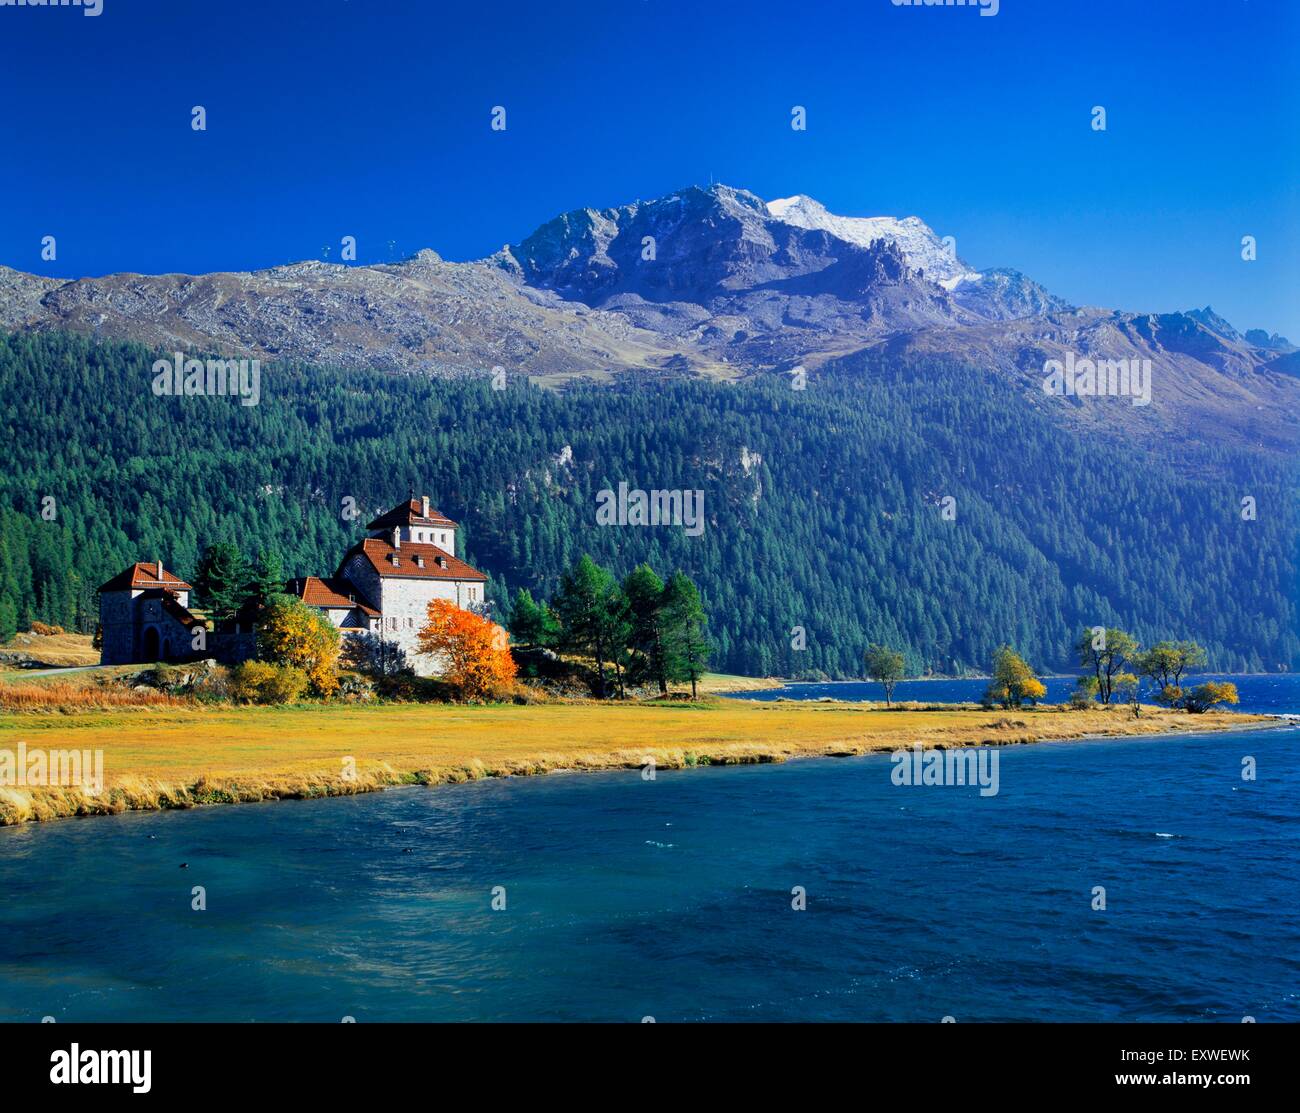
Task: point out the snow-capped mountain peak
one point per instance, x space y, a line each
920 246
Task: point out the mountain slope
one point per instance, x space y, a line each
823 508
420 315
709 281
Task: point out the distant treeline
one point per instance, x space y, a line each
915 504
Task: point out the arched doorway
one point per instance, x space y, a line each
151 644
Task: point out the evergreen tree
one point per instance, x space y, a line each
645 593
592 610
532 623
835 529
616 615
687 645
268 578
223 582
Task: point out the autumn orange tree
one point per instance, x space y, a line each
292 633
474 651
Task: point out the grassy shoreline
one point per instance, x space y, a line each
163 758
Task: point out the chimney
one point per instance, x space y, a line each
424 513
397 537
157 564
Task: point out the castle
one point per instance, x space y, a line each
383 585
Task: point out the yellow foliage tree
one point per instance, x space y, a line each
1032 689
292 633
476 651
1207 695
1013 680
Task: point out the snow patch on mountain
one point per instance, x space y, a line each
920 246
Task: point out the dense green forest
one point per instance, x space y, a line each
824 507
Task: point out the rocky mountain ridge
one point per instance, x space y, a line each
712 281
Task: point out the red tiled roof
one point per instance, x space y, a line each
329 591
408 513
379 552
143 575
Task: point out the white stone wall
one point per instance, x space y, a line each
442 536
405 611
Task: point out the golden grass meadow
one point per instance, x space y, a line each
178 757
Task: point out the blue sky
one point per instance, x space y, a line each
372 119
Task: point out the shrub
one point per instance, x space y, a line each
292 633
1085 693
45 630
264 682
1204 696
1171 695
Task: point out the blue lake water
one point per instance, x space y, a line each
671 898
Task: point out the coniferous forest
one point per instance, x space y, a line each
922 505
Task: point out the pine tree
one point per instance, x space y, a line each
686 643
223 581
645 594
267 577
532 623
592 612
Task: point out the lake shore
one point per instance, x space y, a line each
164 758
